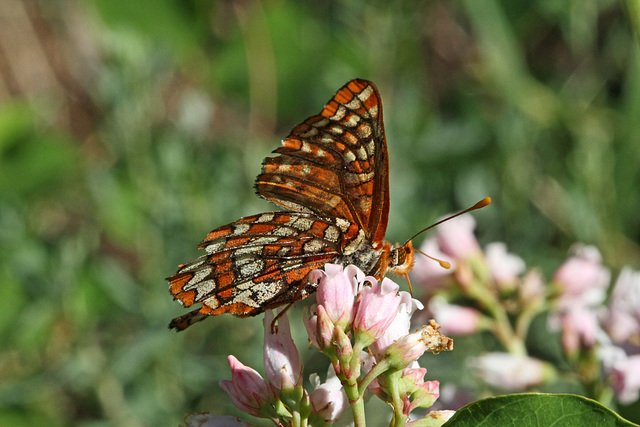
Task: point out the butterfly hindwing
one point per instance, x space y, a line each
259 262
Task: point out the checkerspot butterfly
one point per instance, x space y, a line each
332 177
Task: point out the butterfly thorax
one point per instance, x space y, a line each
397 259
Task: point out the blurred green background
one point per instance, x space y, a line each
129 130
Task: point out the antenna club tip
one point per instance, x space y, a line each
482 203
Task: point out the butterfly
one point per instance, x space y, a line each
331 175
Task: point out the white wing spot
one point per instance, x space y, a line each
205 288
215 246
349 156
354 104
331 234
364 130
343 224
301 223
245 297
313 246
311 132
193 264
365 94
321 123
352 121
248 250
362 153
355 244
251 269
340 112
240 229
267 217
199 277
211 302
371 147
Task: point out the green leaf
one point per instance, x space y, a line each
536 409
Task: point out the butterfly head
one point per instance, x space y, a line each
401 259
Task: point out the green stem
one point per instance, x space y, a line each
349 374
399 419
295 419
501 325
375 371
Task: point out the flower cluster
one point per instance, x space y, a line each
364 328
599 337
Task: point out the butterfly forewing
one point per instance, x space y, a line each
335 164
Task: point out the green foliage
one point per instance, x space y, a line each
530 410
532 103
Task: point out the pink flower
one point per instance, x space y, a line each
399 326
531 290
455 319
511 372
624 308
626 379
281 359
456 239
579 327
248 390
328 399
505 267
375 309
582 278
337 290
205 419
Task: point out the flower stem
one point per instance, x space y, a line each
399 418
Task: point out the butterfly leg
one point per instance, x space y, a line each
183 322
296 297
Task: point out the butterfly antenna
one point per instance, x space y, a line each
443 264
481 204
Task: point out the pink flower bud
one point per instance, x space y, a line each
582 278
511 372
310 321
281 359
328 399
624 308
626 379
337 290
248 391
531 291
344 349
456 239
319 327
406 349
455 319
375 309
505 267
425 395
